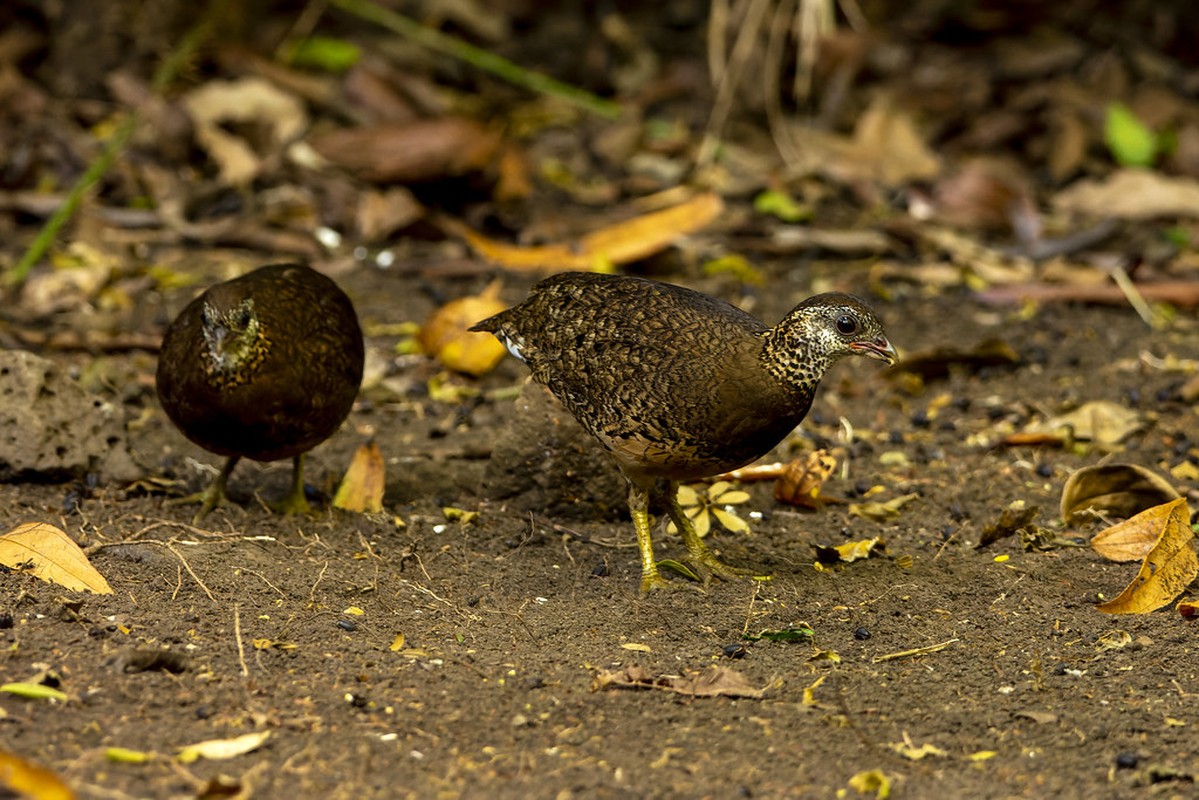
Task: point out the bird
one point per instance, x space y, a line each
265 366
678 385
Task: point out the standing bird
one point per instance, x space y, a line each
265 366
678 385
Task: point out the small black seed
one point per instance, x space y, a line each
920 419
601 570
1126 761
346 625
861 634
1045 470
896 437
735 651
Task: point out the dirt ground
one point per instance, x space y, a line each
290 625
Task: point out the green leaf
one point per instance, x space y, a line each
678 567
781 205
325 53
1132 143
34 691
798 634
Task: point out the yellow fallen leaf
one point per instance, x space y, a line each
617 244
397 644
28 780
1167 569
223 749
361 489
123 755
1131 539
34 691
872 781
44 551
640 648
881 511
446 335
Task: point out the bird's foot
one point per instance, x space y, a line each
210 498
707 565
293 503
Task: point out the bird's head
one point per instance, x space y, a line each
232 331
818 332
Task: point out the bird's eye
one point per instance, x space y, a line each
243 317
847 325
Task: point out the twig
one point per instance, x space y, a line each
497 65
241 648
165 73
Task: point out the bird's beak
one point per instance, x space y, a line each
879 348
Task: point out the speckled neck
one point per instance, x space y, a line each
793 353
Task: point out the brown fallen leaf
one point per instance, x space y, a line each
936 364
1184 294
46 552
616 244
1168 568
1012 519
1129 540
446 335
410 152
1117 489
1098 421
802 479
715 681
361 489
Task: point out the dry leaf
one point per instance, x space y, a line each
1129 540
616 244
869 781
1014 518
802 479
215 104
361 489
223 749
44 551
888 147
446 334
30 781
410 152
712 682
1098 421
880 512
1132 194
1168 568
851 551
1118 489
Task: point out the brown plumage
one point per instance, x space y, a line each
675 384
265 366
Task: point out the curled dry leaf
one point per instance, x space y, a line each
446 335
215 104
1117 489
1132 194
616 244
46 552
880 512
361 489
1168 568
802 479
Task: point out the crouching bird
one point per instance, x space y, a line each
677 385
266 367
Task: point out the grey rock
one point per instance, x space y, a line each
51 429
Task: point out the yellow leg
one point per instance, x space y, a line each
705 562
211 497
295 502
639 509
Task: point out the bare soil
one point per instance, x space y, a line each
290 625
